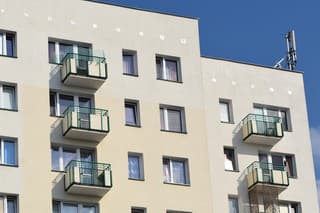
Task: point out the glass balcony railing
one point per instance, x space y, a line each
81 175
261 125
85 123
267 173
83 70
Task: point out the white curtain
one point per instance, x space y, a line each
128 65
172 70
130 115
9 100
178 170
224 112
174 120
166 170
1 44
69 208
233 205
134 167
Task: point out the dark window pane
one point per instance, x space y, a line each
82 64
52 52
55 159
284 120
159 65
229 163
128 64
64 50
134 167
9 152
11 205
68 155
52 103
134 210
290 166
10 44
174 120
65 102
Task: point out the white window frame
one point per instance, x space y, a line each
75 100
283 155
164 70
141 165
165 109
5 202
3 51
78 154
2 151
73 43
228 102
2 84
134 55
279 109
186 169
289 205
79 205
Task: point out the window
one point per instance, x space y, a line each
8 97
65 207
230 162
135 166
168 68
173 211
60 102
61 156
8 44
175 170
276 112
129 62
8 204
286 160
172 119
57 50
233 205
138 210
132 112
225 111
293 207
8 152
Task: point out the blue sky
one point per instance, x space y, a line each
253 31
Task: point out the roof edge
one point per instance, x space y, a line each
141 9
252 64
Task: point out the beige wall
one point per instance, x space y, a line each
202 145
234 81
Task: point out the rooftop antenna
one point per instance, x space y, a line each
291 57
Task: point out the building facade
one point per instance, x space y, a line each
112 109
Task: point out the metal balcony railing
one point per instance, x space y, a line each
261 125
83 65
88 174
267 173
86 119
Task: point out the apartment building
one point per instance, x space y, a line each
112 109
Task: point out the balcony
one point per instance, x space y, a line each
83 70
261 129
87 178
85 123
261 176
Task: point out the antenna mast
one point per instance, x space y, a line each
291 57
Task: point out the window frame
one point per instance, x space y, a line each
165 109
75 47
269 156
235 162
2 106
16 159
139 208
136 106
289 204
76 98
4 51
186 168
234 197
78 151
6 197
228 103
79 205
134 55
141 165
164 74
265 109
